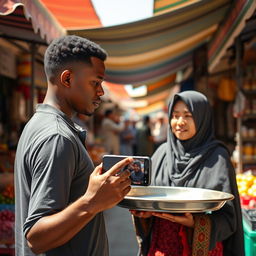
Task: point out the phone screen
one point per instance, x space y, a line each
140 168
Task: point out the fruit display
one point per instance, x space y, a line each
246 183
7 195
7 215
6 200
6 227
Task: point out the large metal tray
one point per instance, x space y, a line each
174 199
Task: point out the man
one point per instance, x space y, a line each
126 139
160 130
111 128
145 140
59 197
137 174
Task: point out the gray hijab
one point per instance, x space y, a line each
177 161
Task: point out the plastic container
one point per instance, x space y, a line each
7 224
249 240
10 207
249 216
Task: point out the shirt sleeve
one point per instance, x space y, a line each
52 166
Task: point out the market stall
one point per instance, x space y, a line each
151 52
25 27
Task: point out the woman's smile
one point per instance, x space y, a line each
182 122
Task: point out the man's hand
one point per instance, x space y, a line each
104 191
107 189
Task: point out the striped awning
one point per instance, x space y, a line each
149 50
230 28
28 20
158 102
118 91
159 90
154 107
163 6
73 14
158 94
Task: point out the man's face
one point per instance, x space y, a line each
86 86
136 168
182 122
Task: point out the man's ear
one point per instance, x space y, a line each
65 78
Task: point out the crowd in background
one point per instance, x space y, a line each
121 135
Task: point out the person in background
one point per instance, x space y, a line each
126 139
60 196
145 140
111 128
192 157
134 140
118 222
160 130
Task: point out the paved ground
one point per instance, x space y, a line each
121 234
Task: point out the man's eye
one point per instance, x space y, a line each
95 83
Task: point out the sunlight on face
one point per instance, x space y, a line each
182 122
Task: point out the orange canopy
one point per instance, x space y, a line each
73 14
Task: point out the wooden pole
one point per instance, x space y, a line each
33 49
239 81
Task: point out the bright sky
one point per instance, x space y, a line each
115 12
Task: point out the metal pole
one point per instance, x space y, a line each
239 81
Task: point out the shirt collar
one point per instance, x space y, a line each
52 110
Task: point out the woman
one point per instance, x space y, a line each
192 157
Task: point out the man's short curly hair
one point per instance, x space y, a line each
68 49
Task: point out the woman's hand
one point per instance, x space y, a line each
186 220
141 214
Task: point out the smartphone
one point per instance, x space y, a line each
140 168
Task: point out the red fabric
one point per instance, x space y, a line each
25 90
170 239
165 239
217 251
184 240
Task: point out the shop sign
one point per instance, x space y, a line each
7 63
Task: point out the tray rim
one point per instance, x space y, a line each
171 210
228 197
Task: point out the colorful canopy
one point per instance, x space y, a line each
73 14
163 6
28 20
148 51
151 49
231 26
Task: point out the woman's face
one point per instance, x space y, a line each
182 122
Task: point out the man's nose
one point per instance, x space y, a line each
100 91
